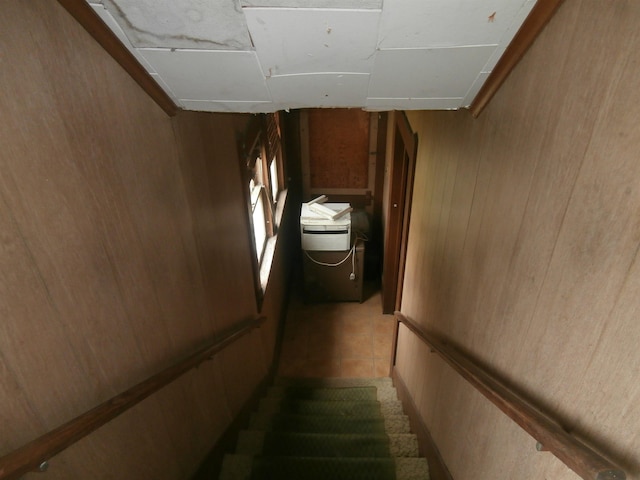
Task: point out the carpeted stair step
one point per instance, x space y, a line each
322 407
384 385
342 394
329 424
337 429
255 442
246 467
335 382
385 391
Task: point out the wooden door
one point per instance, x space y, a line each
401 171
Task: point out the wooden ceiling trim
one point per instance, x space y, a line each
91 22
540 15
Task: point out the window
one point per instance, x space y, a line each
262 152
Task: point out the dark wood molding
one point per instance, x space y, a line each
437 468
539 16
93 24
401 173
29 457
549 433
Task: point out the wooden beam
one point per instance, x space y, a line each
540 15
93 24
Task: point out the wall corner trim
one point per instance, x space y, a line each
91 22
540 15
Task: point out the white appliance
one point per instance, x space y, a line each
320 233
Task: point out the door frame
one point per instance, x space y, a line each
403 152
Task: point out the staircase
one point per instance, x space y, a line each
336 429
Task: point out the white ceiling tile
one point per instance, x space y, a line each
210 75
493 59
158 79
384 104
237 107
343 4
106 17
319 90
211 24
316 53
427 73
302 40
475 88
428 23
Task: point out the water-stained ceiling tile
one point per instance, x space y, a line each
189 24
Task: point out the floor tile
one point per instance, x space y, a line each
347 339
357 367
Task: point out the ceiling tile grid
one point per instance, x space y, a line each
266 55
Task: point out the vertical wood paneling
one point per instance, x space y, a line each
123 247
523 250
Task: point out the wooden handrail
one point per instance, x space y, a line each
550 435
34 454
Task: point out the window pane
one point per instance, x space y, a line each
259 227
274 179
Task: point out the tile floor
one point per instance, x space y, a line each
342 339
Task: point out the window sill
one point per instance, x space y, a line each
270 248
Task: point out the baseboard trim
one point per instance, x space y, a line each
437 468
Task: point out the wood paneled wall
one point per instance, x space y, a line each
123 245
523 250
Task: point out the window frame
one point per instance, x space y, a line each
261 145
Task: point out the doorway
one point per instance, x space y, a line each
403 148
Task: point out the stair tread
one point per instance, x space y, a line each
319 407
326 424
363 393
342 429
331 382
383 392
272 405
245 467
253 442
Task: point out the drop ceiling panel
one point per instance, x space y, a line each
343 4
158 79
211 24
398 54
427 73
303 40
475 88
206 75
319 90
428 23
236 107
385 104
115 28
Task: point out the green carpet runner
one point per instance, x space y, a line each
336 429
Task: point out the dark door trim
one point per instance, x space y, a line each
401 173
